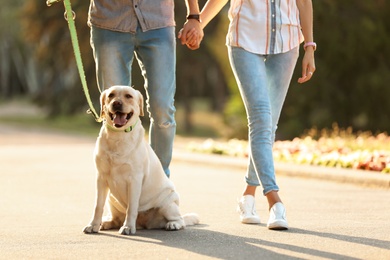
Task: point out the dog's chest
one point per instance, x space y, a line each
116 157
113 157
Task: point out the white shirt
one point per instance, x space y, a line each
264 26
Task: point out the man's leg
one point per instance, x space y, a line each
156 54
113 53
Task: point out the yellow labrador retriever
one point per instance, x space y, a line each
140 195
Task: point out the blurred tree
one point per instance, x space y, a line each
46 32
234 112
200 73
12 58
60 89
351 84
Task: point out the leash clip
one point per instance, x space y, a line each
93 113
73 15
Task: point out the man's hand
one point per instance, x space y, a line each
191 34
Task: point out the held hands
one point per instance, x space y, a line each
191 34
308 65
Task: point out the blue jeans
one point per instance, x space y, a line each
155 51
263 81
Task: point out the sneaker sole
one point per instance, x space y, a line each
278 228
250 221
279 225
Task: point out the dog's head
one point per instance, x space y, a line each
120 106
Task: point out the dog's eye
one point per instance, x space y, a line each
128 96
111 95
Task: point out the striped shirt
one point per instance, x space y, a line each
264 26
124 16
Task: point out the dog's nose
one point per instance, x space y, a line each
117 105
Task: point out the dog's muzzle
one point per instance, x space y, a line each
120 119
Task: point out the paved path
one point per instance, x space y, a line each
47 189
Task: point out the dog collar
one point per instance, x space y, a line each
129 129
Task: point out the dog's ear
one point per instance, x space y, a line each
102 103
140 103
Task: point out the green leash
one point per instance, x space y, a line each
70 16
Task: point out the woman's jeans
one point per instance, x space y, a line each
263 81
155 51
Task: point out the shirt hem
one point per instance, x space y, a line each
260 52
90 24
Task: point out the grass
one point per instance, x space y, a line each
77 124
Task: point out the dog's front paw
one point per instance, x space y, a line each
106 225
174 225
126 230
91 229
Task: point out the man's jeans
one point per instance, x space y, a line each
155 51
263 81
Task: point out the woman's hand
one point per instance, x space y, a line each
308 65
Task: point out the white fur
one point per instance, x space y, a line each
129 174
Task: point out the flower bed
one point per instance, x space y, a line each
333 149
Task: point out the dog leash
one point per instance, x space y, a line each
69 16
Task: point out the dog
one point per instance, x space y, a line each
129 174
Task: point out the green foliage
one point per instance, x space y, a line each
11 50
234 112
56 81
47 36
350 86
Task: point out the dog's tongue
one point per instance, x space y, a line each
120 119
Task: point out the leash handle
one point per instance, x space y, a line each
50 2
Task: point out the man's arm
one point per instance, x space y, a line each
191 26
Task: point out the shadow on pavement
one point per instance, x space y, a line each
352 239
225 246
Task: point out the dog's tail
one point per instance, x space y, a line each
191 219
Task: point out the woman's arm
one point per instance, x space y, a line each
210 10
306 17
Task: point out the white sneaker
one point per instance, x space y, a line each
277 217
247 210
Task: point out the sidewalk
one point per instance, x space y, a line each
47 185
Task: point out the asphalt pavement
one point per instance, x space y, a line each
47 193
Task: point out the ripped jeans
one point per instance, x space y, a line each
155 51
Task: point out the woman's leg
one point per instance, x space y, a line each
263 89
279 68
250 72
